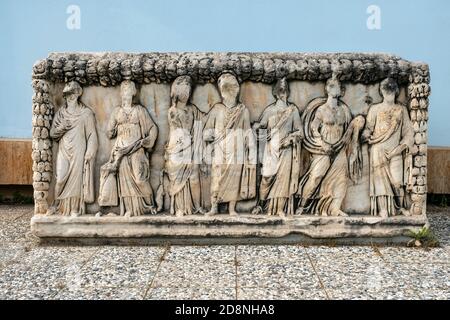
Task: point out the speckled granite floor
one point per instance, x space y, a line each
29 271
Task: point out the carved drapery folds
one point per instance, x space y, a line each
311 153
125 178
73 127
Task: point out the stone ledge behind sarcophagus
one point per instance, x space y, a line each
157 80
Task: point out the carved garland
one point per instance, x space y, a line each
109 69
418 92
42 144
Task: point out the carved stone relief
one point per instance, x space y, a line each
245 136
184 150
233 160
390 135
125 178
281 163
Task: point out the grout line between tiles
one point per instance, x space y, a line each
161 260
317 274
82 266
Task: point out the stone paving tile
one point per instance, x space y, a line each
422 276
367 276
295 275
364 277
370 294
341 253
283 270
14 227
13 212
174 293
197 266
215 253
10 253
279 293
42 272
99 293
192 273
433 294
275 253
120 266
439 225
354 269
416 255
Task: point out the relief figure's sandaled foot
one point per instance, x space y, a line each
281 214
339 213
51 211
201 211
257 210
405 212
299 211
383 213
179 213
127 214
214 210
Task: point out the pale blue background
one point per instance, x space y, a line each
29 30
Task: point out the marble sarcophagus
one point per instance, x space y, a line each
229 147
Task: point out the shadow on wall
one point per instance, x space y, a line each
15 194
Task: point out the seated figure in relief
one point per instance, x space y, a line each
125 178
74 129
183 150
390 136
233 163
281 160
332 138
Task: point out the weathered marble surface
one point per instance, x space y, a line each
256 74
228 229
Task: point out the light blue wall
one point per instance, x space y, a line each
29 30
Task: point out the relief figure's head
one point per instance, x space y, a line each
334 88
281 90
127 92
72 91
389 90
181 90
229 89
